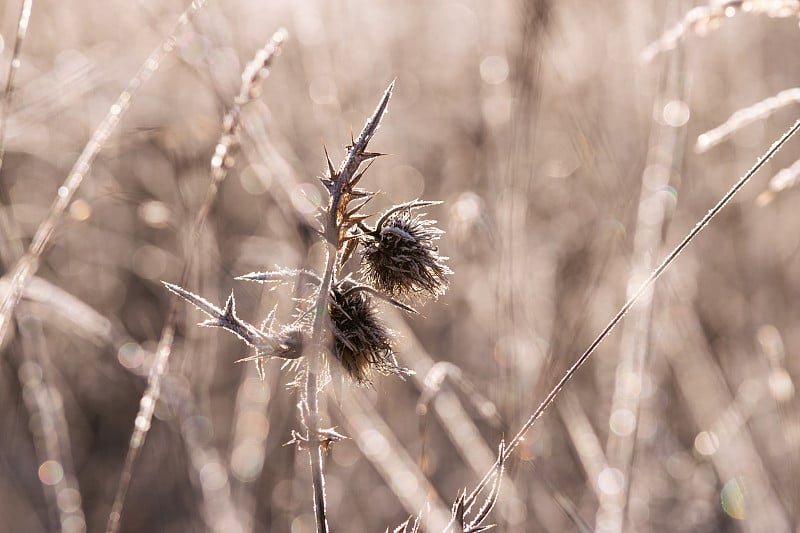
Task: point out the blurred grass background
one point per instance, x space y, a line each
551 146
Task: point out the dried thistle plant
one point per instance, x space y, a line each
337 330
398 260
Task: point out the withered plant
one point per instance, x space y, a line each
337 332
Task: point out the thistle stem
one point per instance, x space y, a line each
339 196
312 387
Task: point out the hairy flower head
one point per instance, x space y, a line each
399 256
361 343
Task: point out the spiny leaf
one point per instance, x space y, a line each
198 301
357 177
331 170
281 275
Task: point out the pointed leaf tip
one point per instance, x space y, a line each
230 308
331 169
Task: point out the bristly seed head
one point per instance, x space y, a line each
399 256
361 343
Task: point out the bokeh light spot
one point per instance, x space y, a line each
303 524
670 195
322 90
68 500
154 213
494 70
375 444
733 499
655 176
130 355
405 482
73 524
610 481
675 113
51 472
30 373
80 210
212 476
780 385
706 443
622 422
401 182
247 460
255 179
306 198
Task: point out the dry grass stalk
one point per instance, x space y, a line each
228 145
708 397
27 266
44 403
367 428
664 155
13 67
462 431
11 249
584 438
744 117
704 19
152 393
632 300
784 179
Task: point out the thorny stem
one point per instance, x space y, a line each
339 195
654 275
312 385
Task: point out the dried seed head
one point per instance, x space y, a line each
361 343
399 256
